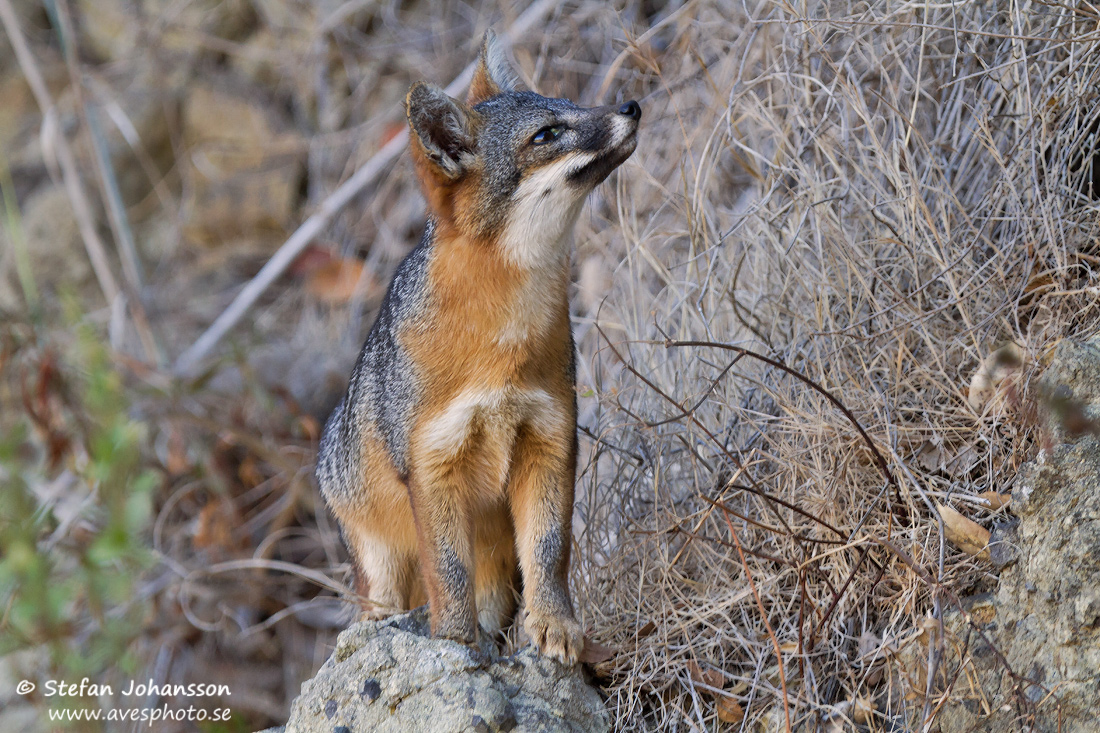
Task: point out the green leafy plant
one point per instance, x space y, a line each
75 507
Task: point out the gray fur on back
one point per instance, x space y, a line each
382 391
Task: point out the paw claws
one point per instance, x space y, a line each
378 613
558 637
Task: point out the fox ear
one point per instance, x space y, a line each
442 130
493 74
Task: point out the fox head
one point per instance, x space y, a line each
511 165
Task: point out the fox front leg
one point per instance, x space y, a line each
444 533
541 495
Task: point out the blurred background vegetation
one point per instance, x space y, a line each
877 194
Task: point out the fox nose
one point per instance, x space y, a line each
631 110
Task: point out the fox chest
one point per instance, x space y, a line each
479 427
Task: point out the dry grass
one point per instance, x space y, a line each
868 197
876 196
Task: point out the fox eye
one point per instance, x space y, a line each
547 135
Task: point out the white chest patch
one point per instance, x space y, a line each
538 237
495 415
544 209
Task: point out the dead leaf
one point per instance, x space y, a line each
338 281
595 653
177 461
1048 352
332 278
789 647
963 533
729 710
709 677
963 461
392 131
249 472
926 630
647 629
930 456
996 501
309 425
1038 282
214 527
314 256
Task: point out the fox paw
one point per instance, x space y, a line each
461 635
371 611
555 636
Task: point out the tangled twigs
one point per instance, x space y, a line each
754 488
767 624
880 460
1021 683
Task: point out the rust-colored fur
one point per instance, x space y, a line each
450 463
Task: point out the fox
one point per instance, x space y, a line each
450 462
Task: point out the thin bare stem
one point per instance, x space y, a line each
97 253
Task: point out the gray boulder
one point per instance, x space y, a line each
391 677
1045 617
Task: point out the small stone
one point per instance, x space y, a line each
371 690
1003 543
507 720
478 724
341 729
330 709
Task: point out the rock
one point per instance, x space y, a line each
1004 543
1045 617
1077 364
1070 388
390 676
244 167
